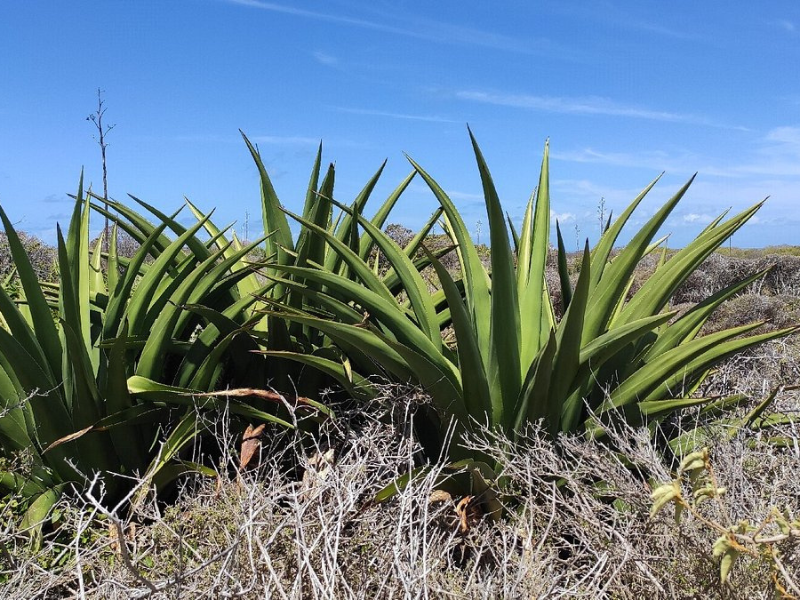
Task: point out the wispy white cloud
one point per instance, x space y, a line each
771 169
394 115
657 160
775 160
564 217
714 195
213 138
698 218
777 155
787 136
425 29
650 27
197 138
325 59
586 192
465 196
696 221
591 105
291 140
205 138
614 14
418 187
786 25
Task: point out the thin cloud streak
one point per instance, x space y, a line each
564 217
432 31
585 106
662 161
325 59
646 160
787 26
465 196
778 156
211 138
393 115
279 140
702 219
609 14
650 28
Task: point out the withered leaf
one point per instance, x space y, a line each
251 442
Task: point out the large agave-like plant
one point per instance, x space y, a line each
95 368
112 357
323 233
613 354
330 239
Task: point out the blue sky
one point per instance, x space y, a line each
624 90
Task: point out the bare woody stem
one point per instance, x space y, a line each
97 119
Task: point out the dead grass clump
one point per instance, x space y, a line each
578 524
778 311
43 257
599 539
758 371
784 276
715 273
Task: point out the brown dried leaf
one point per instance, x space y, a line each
245 392
69 438
251 442
467 513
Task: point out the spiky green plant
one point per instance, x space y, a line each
242 284
329 239
613 354
95 369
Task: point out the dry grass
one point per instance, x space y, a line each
313 532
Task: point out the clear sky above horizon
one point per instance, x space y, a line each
624 90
